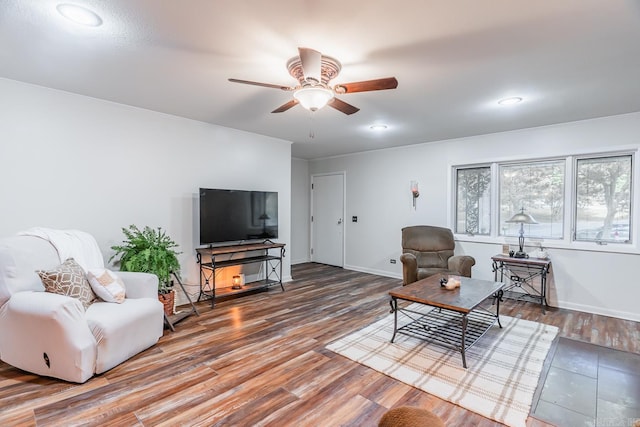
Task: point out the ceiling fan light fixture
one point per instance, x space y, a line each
313 98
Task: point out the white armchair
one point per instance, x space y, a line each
53 335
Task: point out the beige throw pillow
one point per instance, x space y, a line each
68 279
106 285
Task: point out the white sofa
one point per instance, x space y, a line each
52 335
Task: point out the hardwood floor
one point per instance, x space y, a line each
260 360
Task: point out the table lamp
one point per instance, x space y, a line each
522 218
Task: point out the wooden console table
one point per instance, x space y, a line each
212 259
520 273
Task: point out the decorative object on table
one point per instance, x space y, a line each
150 250
450 283
522 219
540 253
414 192
236 282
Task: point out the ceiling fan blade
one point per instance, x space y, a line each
248 82
285 107
368 85
311 61
342 106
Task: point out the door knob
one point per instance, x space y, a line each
339 221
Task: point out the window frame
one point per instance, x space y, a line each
574 196
491 196
500 165
568 240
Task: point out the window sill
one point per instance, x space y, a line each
533 244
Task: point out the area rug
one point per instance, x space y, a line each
503 366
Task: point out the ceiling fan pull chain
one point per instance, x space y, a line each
312 133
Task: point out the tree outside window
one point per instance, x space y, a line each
603 199
473 200
538 188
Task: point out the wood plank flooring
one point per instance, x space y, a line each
260 361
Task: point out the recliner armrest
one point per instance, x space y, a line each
139 285
461 264
409 268
47 334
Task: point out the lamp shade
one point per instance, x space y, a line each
522 218
313 98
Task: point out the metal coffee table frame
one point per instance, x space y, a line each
457 328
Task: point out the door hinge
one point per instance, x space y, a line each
311 218
312 186
311 251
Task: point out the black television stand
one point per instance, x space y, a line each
213 259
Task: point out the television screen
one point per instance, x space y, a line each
236 215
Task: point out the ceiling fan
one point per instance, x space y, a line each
314 71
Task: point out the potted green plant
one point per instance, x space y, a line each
150 250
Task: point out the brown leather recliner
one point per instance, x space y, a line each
428 250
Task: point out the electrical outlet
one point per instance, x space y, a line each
392 261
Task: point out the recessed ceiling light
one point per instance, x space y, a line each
510 101
378 127
79 15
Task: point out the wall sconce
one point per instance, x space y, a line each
414 192
236 282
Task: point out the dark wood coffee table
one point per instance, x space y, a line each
457 321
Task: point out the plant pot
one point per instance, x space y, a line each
168 300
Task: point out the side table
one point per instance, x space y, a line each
521 273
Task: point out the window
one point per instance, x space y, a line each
473 200
603 199
538 188
590 194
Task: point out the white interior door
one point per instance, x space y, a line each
327 219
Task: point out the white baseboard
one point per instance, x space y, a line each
561 304
373 271
299 261
626 315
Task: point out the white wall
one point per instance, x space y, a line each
300 211
69 161
592 279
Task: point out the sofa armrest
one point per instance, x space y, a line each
409 268
139 285
462 264
47 334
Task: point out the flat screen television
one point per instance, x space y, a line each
237 215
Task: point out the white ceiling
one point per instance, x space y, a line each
568 59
